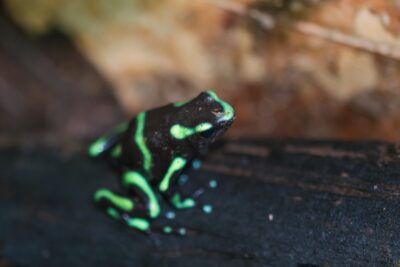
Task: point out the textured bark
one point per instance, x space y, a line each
278 203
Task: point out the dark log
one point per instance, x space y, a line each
278 203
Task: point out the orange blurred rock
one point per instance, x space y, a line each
283 83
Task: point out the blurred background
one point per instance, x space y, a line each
71 69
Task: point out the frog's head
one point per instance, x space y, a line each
202 120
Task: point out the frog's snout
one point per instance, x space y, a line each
230 114
226 117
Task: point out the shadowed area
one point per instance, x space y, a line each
277 203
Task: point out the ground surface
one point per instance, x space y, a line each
278 203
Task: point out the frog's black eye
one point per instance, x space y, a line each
207 134
209 99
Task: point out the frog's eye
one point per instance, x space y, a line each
207 134
209 99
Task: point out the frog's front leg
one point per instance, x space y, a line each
169 186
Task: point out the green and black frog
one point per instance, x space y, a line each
151 151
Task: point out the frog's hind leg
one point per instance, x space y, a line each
167 186
136 184
177 194
124 210
121 209
108 141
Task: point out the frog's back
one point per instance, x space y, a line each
144 146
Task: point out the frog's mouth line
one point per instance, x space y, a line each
222 117
223 127
226 124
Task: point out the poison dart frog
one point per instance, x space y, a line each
151 151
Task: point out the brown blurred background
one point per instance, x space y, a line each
69 69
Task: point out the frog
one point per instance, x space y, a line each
151 151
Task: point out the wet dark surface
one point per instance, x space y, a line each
278 203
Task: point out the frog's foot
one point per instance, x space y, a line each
183 185
178 201
181 199
121 209
149 228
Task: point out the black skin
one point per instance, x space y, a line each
163 146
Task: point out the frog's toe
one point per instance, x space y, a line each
171 230
207 208
137 223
